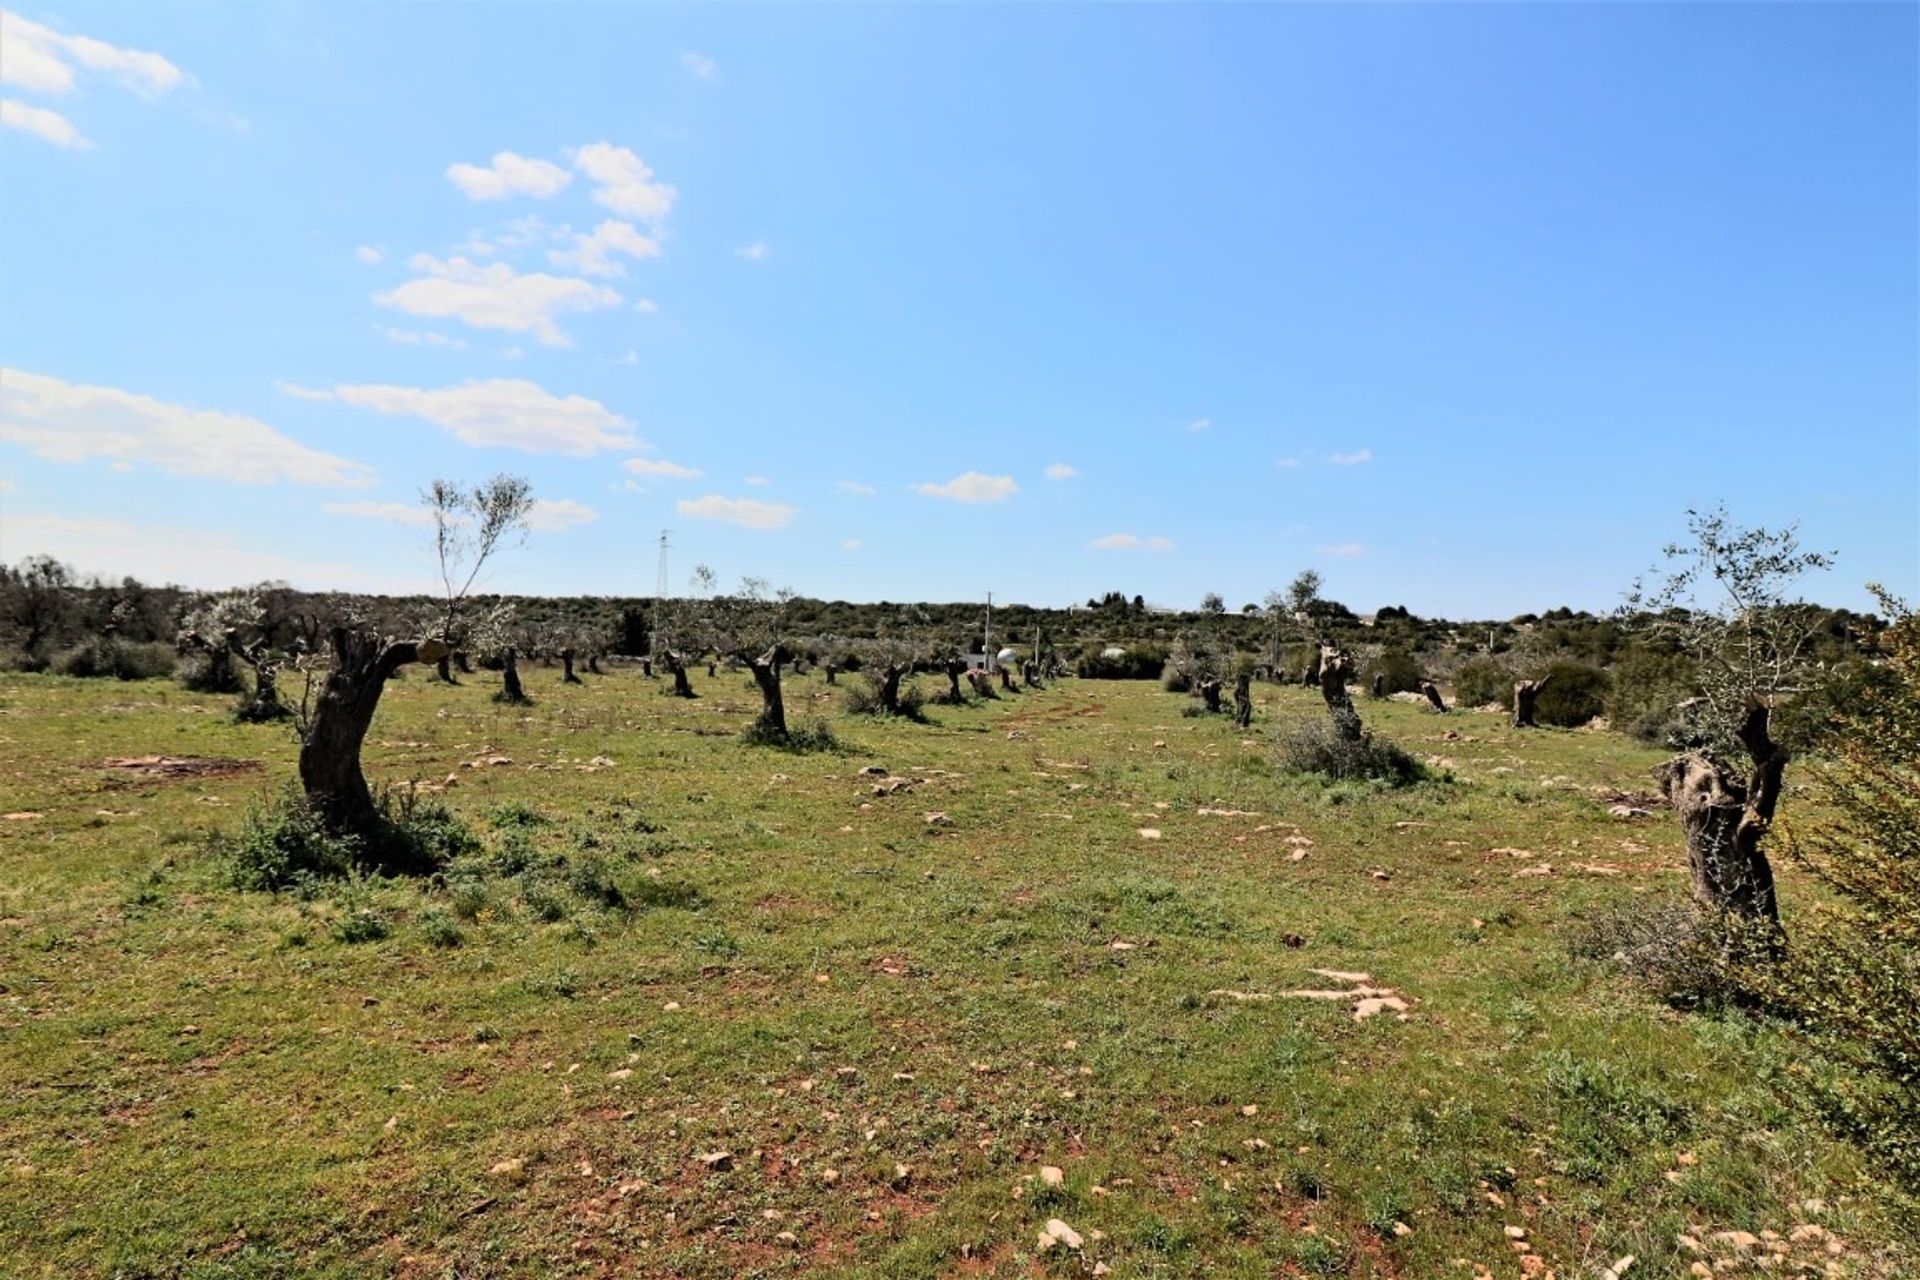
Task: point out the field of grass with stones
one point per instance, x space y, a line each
1062 984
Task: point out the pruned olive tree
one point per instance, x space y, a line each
356 656
748 626
1724 597
36 603
235 625
467 525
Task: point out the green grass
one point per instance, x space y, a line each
711 946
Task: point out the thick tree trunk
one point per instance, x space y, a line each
682 687
833 671
1525 694
1312 676
954 668
443 671
1030 674
1379 686
460 662
264 704
982 683
1432 692
593 664
1726 817
713 671
1006 679
772 723
1242 701
889 686
646 667
330 772
566 666
1209 691
1335 670
510 687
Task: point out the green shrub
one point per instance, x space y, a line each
862 698
592 879
1574 695
361 924
1139 662
1648 687
439 928
1312 746
1480 682
543 900
1400 671
204 674
1175 680
283 844
109 657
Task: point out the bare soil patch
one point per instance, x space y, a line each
178 767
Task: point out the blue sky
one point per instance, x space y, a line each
1464 306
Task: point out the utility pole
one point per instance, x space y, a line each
660 583
988 638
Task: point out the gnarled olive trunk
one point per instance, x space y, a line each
982 683
1726 817
461 663
887 684
510 687
566 667
1379 686
1006 679
330 772
1335 670
773 708
833 672
1209 691
1432 692
1526 693
954 669
264 704
443 670
1242 701
682 687
593 664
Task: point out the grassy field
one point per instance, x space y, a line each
696 1008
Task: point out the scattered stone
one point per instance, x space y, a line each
514 1171
717 1161
1401 1229
1516 1233
1058 1232
23 815
1149 833
1053 1176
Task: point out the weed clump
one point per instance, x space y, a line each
1314 746
285 844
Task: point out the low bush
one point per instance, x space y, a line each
1312 746
108 657
862 698
1574 695
1136 662
284 843
1649 687
1399 671
1480 682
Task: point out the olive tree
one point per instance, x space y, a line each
36 604
237 625
1724 597
747 625
360 655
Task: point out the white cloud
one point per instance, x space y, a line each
1350 459
1200 424
509 175
755 252
42 59
972 486
591 253
660 467
1130 542
851 544
1061 471
699 65
507 413
1344 549
624 183
857 489
48 125
71 422
495 296
1286 463
646 306
393 512
368 254
759 481
557 515
204 558
427 338
631 358
748 513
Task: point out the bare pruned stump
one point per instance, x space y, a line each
443 670
1335 669
1311 677
1242 701
682 687
1379 685
511 690
1526 693
1431 691
833 671
954 668
461 663
566 666
593 664
1725 818
886 683
330 773
646 667
982 683
1030 674
713 671
264 703
1006 679
772 723
1209 691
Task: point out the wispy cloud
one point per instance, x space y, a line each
426 338
857 489
368 254
758 481
48 125
509 175
1130 542
1287 464
41 59
508 413
557 515
495 296
660 467
1200 424
755 252
699 65
71 422
624 183
971 486
592 253
1353 459
748 513
1345 550
851 544
392 512
1061 471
